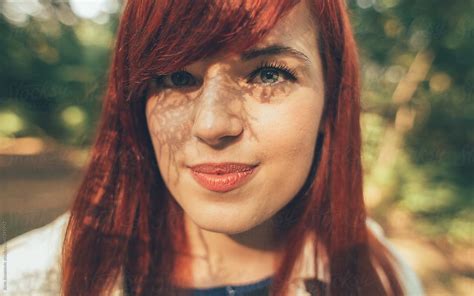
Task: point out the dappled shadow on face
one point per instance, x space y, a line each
167 128
174 112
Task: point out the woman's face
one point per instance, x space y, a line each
260 109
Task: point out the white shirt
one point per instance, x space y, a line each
31 262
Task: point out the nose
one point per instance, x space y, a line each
215 122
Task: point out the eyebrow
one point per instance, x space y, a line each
274 49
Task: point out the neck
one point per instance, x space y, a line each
216 259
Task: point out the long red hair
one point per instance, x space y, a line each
124 221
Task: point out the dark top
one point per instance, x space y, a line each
257 288
260 288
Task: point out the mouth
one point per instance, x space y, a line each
222 177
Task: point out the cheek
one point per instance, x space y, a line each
169 127
291 127
168 124
288 134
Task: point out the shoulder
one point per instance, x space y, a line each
32 260
411 282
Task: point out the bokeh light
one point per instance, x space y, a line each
73 116
10 123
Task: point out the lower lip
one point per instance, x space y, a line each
222 183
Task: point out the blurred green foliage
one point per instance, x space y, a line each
53 71
433 176
54 64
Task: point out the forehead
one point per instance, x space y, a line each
296 29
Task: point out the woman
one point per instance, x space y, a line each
228 159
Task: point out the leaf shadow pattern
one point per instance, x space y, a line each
172 116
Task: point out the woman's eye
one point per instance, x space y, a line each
180 79
271 75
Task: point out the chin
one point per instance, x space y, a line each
227 224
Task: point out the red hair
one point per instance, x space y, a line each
123 218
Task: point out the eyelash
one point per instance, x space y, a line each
288 73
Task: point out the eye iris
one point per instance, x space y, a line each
181 79
269 75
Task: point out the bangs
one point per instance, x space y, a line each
164 36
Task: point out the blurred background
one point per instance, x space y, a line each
418 91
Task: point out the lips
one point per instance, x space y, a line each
222 177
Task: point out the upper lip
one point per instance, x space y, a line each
222 168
